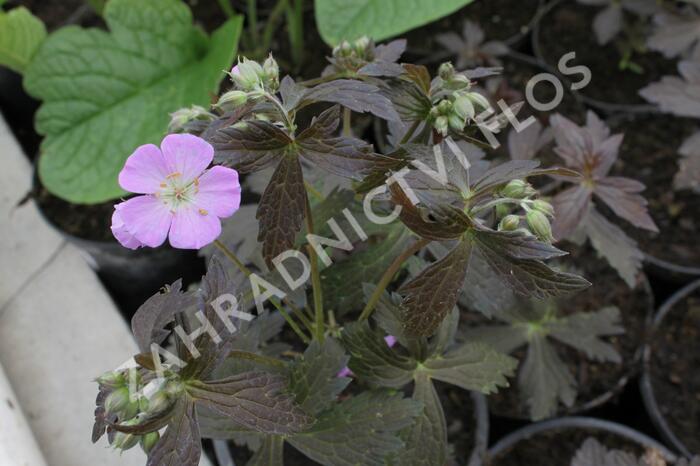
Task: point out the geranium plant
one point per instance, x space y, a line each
345 376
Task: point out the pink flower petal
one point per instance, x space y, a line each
390 340
186 155
144 170
344 372
193 229
146 218
219 192
122 234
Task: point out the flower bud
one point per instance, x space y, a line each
516 189
464 107
344 48
441 125
247 74
159 402
446 71
124 441
118 400
458 82
271 69
362 44
479 100
544 207
180 118
509 223
149 441
232 99
112 379
456 122
539 225
444 107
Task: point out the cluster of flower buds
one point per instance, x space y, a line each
353 56
459 106
251 79
180 119
537 211
127 401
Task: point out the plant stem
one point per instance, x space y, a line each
409 132
226 8
315 278
288 120
275 302
389 276
256 358
496 202
253 20
313 191
347 122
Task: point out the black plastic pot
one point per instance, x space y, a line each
647 389
504 445
606 107
481 437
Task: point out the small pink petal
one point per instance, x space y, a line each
144 170
344 372
146 218
235 70
122 234
186 155
219 192
193 228
390 340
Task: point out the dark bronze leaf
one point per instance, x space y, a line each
281 209
430 296
181 444
570 208
621 195
358 96
250 146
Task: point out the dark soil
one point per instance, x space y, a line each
649 154
568 28
559 447
596 381
675 358
461 428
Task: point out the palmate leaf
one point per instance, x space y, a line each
358 96
255 400
678 95
584 330
314 377
378 19
270 453
104 94
249 146
593 453
545 379
180 445
688 175
22 34
360 430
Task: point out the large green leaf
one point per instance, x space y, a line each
107 93
378 19
21 33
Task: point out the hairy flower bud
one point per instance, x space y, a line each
112 379
247 75
509 223
516 189
464 107
444 107
124 441
446 71
118 400
149 441
479 100
159 402
441 125
544 207
539 225
232 99
456 122
180 118
362 44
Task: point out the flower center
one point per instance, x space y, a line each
175 192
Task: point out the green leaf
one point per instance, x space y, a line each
584 330
98 5
21 34
270 453
472 366
342 281
426 439
359 430
255 400
372 360
180 444
107 93
378 19
545 379
314 377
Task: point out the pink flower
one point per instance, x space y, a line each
346 372
182 200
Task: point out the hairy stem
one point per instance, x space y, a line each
275 302
319 326
389 276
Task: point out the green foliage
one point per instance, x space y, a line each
104 93
379 19
21 34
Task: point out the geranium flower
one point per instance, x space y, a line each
182 200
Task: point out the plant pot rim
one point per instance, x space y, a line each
578 422
605 107
634 365
645 382
481 436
